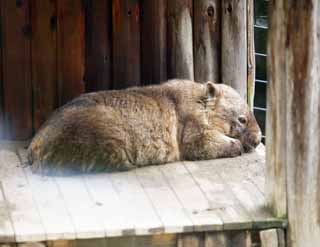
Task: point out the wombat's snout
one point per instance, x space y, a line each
251 140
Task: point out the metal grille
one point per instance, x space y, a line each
260 36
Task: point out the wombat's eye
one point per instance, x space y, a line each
242 120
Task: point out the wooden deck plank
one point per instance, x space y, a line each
240 175
190 195
164 200
101 190
220 197
27 223
81 207
136 206
7 234
56 219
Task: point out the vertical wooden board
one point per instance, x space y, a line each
234 45
251 63
1 78
190 240
60 243
44 59
16 33
215 239
92 242
120 242
269 238
154 41
239 239
126 43
180 39
207 40
71 47
98 45
161 240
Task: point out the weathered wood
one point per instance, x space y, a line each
164 200
154 41
207 40
269 238
61 243
126 43
31 244
71 45
6 228
192 198
234 45
180 39
190 240
15 36
120 242
162 240
24 214
1 79
251 63
220 197
276 143
98 45
95 242
44 60
298 35
239 239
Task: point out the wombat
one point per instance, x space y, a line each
124 129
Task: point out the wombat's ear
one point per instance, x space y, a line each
212 90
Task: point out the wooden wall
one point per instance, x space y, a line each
53 50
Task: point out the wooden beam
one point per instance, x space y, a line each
70 49
297 34
180 39
207 40
126 43
154 41
276 115
16 34
44 60
251 63
98 45
234 45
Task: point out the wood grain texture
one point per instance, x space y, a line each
190 240
272 238
207 40
251 63
154 41
16 69
71 44
1 78
180 39
126 43
276 143
234 45
98 45
301 131
44 60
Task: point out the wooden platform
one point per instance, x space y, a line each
224 194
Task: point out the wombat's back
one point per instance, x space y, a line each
115 130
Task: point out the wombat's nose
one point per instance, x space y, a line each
256 139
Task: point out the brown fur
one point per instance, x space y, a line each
121 130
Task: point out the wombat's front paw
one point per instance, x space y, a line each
236 148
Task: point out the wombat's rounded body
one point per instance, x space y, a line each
121 130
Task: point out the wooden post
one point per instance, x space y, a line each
294 28
70 49
98 45
234 45
180 39
276 114
207 40
154 41
251 69
44 60
126 43
16 36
